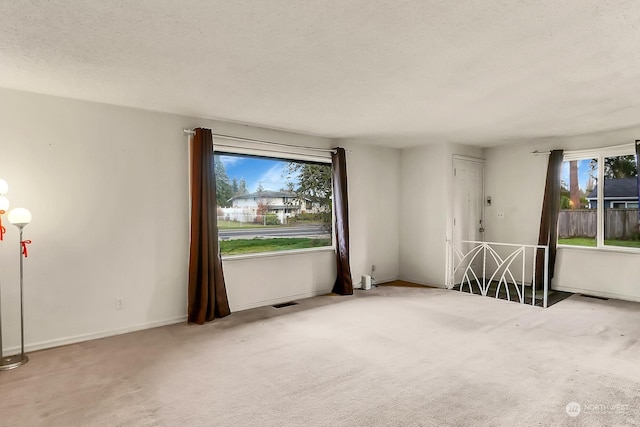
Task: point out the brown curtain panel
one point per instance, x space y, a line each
207 291
344 283
549 219
638 176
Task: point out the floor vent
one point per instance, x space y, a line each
594 297
284 304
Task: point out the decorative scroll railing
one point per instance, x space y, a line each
502 270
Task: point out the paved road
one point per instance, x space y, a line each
250 233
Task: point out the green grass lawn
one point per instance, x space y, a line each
248 246
585 241
577 241
624 243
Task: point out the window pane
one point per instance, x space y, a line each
621 202
268 204
577 221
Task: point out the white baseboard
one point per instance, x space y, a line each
421 282
385 280
602 294
378 281
93 335
104 334
279 300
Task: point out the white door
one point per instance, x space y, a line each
468 199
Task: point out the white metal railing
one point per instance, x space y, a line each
491 266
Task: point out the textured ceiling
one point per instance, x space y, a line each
477 72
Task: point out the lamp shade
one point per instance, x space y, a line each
4 187
4 204
19 216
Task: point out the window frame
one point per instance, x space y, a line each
600 154
295 154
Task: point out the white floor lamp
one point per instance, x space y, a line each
19 217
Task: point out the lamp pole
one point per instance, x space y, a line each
22 251
19 217
1 352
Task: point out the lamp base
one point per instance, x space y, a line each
11 362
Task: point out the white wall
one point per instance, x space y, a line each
373 182
515 180
422 214
107 187
426 187
258 281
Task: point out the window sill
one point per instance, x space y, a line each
277 254
606 249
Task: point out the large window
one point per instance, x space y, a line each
267 204
599 200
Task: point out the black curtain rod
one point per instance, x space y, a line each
260 141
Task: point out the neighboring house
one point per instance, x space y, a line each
618 193
284 204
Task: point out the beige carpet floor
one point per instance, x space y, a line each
392 356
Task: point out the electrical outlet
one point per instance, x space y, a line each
500 215
119 303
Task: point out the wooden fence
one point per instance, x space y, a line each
621 224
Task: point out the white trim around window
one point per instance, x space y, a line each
600 154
